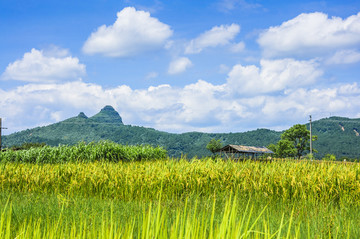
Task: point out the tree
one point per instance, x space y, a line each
283 149
293 143
274 148
214 145
299 136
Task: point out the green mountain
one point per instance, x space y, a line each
339 136
106 116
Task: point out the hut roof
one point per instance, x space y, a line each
245 149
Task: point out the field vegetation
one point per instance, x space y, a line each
82 152
73 193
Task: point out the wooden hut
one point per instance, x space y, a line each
243 152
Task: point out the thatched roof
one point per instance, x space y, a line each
245 149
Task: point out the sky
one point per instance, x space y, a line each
179 66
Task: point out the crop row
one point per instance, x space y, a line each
176 179
81 152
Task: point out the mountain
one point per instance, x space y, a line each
107 115
336 135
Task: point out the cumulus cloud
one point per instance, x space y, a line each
271 76
275 93
302 102
199 106
198 101
349 89
44 66
133 32
217 36
179 65
344 57
309 34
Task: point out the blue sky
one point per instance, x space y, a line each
180 66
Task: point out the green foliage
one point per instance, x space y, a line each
294 142
79 129
329 157
309 157
103 150
299 136
26 146
337 135
54 216
107 115
273 148
157 222
214 145
285 148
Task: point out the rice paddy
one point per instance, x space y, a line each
73 193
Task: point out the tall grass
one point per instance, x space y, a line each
176 179
317 220
156 221
82 152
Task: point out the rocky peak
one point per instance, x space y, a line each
82 115
108 115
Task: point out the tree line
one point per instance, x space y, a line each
294 143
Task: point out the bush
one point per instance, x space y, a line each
329 157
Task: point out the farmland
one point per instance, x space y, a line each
103 195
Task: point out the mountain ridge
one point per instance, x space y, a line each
342 141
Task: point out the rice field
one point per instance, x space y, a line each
108 195
178 179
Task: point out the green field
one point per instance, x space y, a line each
107 195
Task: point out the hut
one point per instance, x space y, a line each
241 152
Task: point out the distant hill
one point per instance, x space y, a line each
336 135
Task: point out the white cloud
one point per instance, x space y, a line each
151 75
349 89
198 106
303 102
309 34
179 65
224 69
55 51
273 94
344 57
158 106
217 36
133 32
45 66
238 47
271 76
228 5
198 101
